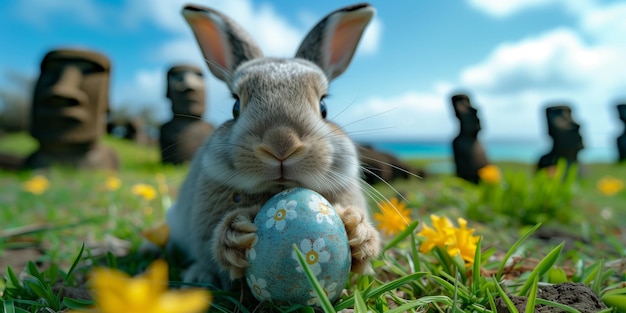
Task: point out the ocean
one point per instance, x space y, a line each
525 152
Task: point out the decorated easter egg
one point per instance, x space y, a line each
304 218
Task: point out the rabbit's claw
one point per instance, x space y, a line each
363 238
236 234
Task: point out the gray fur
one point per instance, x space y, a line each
278 141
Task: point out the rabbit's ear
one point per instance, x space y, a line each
224 44
332 42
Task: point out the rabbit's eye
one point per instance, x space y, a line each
323 108
236 108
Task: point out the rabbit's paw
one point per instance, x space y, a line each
363 238
235 234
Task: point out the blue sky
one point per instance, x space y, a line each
513 57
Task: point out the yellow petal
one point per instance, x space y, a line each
158 235
184 301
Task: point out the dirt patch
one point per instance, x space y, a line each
17 259
575 295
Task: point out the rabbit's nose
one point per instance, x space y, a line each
281 143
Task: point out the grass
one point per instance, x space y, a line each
77 221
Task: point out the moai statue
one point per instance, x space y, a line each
186 131
566 138
469 155
621 140
68 116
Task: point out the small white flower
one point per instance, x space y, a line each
315 252
287 191
258 286
323 209
330 290
280 213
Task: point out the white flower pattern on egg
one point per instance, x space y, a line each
251 254
259 287
330 290
280 213
324 211
315 252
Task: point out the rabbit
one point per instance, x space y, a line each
278 138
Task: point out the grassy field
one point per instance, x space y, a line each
582 236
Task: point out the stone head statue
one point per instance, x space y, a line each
185 88
563 129
469 155
467 115
181 136
565 133
71 97
70 102
621 110
621 140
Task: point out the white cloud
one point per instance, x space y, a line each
409 115
371 38
164 14
272 32
606 24
555 60
506 8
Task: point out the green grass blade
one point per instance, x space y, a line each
544 265
530 301
76 260
77 304
514 248
492 304
321 295
507 300
8 306
618 291
376 292
422 302
451 288
405 233
596 285
359 304
557 305
617 301
111 260
414 254
476 267
13 280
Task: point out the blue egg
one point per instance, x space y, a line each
305 218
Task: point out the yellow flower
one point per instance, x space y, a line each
115 291
36 185
437 237
490 174
112 183
456 241
393 217
158 235
145 191
610 186
463 242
